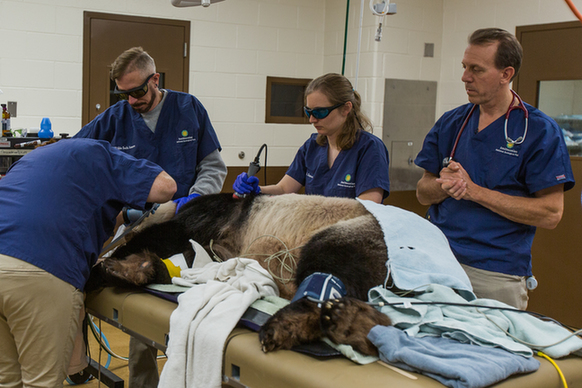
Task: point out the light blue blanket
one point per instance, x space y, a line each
450 362
418 252
517 332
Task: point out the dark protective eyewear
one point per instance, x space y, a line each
321 113
138 92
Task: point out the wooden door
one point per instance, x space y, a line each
554 52
550 52
105 36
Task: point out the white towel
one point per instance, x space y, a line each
206 314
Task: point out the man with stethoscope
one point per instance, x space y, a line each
495 169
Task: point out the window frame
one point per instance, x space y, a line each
284 81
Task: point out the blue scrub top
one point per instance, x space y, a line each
355 170
59 203
479 237
183 136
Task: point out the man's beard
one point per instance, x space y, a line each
144 106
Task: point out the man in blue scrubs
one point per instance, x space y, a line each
169 128
490 198
58 205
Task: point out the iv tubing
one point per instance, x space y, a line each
574 9
345 38
359 44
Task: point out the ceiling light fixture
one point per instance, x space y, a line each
193 3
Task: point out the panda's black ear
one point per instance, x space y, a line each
162 273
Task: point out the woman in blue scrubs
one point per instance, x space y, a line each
343 159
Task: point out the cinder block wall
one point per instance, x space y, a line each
236 44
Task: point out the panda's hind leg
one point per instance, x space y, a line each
353 251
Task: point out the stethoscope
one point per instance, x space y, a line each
510 141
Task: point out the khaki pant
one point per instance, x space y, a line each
39 316
79 357
509 289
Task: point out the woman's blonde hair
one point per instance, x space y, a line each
338 89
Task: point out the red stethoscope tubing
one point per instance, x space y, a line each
519 140
460 132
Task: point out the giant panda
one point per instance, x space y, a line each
317 234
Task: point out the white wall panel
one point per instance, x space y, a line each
278 64
272 14
239 13
202 59
251 86
256 38
213 85
213 34
236 61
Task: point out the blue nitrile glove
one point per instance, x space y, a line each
181 201
245 184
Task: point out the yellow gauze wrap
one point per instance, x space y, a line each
173 270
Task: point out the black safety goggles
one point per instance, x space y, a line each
138 92
320 113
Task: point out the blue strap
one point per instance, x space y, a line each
320 286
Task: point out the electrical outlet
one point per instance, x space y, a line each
429 50
11 108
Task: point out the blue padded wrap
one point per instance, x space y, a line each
320 286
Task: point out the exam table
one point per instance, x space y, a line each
146 316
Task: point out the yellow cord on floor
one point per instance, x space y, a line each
541 354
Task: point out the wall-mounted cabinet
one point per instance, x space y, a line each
409 114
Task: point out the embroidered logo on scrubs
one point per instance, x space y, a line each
347 182
186 137
508 150
125 148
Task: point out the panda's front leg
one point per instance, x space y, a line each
295 324
348 321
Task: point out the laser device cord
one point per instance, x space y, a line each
254 168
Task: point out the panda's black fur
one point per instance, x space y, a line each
331 235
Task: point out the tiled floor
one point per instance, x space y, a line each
119 344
